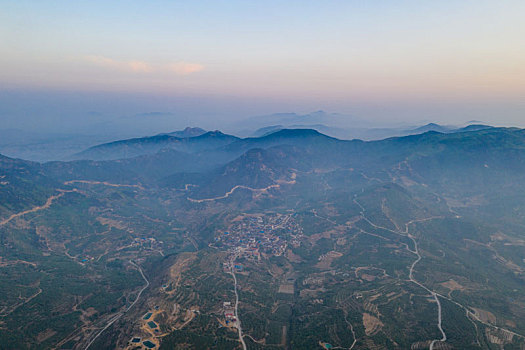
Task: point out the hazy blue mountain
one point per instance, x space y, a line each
257 168
446 129
355 131
187 132
145 169
473 127
267 130
430 127
149 145
340 133
382 133
304 137
165 155
288 120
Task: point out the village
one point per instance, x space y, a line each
253 237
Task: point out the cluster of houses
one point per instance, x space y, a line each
254 236
229 313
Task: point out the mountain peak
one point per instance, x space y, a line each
295 133
188 132
214 134
431 127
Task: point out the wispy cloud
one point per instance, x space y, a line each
184 68
132 66
179 68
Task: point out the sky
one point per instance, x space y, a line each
213 61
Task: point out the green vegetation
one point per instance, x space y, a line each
369 236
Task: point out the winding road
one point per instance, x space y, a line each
46 205
241 337
411 277
411 271
105 183
120 314
230 192
143 288
436 295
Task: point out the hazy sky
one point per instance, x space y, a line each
387 60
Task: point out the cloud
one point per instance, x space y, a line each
138 66
179 68
131 66
184 68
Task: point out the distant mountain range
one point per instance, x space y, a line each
152 144
217 160
196 140
39 146
446 129
337 125
317 117
372 133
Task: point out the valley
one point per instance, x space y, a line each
293 240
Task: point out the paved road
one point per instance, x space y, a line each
230 192
101 183
241 338
143 288
411 271
46 205
411 277
120 314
